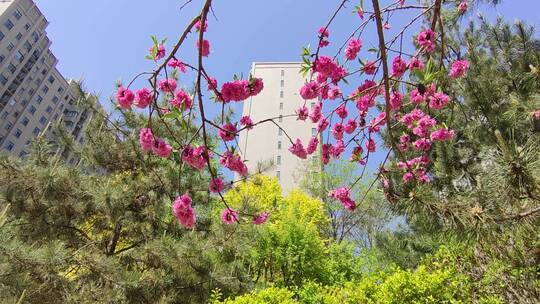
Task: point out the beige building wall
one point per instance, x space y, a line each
265 143
33 94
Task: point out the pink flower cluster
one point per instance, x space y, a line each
229 216
239 90
234 163
353 48
459 68
150 143
182 100
343 195
227 132
298 149
184 212
426 39
195 157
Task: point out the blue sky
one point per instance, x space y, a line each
103 41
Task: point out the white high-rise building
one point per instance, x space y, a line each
33 94
266 143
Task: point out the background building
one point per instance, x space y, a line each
265 143
33 94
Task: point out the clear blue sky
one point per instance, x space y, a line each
106 40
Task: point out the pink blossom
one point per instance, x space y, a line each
316 113
438 100
298 149
175 63
182 100
338 148
227 132
343 195
302 113
255 86
369 68
408 177
416 97
322 125
125 97
536 114
323 31
216 185
341 111
246 122
334 93
312 145
229 216
143 98
399 66
370 145
353 48
159 53
416 64
338 130
198 25
387 26
195 157
212 83
459 68
351 126
463 6
205 50
234 163
259 219
360 12
146 139
183 211
325 66
442 134
396 100
422 144
325 153
237 90
167 85
426 39
161 148
405 138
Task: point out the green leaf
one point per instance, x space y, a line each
175 113
373 50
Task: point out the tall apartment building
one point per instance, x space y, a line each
266 143
33 94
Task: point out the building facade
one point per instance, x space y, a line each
267 144
33 94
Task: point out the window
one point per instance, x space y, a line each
278 174
281 105
278 160
25 121
8 126
27 27
10 46
4 115
19 56
18 133
282 72
2 57
25 101
8 24
3 79
16 114
51 79
280 94
282 84
17 14
312 105
19 36
55 116
280 118
279 145
2 36
55 99
60 90
43 72
49 109
36 131
39 99
32 110
9 146
12 68
35 36
280 132
45 89
43 120
27 46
